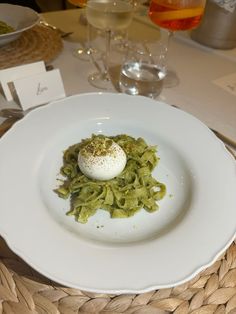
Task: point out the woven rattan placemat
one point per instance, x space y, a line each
24 291
38 43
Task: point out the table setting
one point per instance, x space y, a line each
152 232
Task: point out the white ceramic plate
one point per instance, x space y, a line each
19 17
195 223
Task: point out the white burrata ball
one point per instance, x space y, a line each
100 161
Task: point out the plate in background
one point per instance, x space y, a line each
19 17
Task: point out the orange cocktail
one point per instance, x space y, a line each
78 3
176 15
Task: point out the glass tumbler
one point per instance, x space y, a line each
143 69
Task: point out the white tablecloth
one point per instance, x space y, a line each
196 66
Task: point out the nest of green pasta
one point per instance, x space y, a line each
123 196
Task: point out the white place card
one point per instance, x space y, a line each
39 89
21 71
228 83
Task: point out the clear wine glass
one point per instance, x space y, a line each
176 15
84 51
109 16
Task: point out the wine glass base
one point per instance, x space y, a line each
84 53
100 80
171 79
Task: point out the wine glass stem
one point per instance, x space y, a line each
169 36
89 38
165 39
171 78
107 53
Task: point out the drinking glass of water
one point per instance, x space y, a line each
143 69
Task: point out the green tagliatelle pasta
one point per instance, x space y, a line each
122 196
